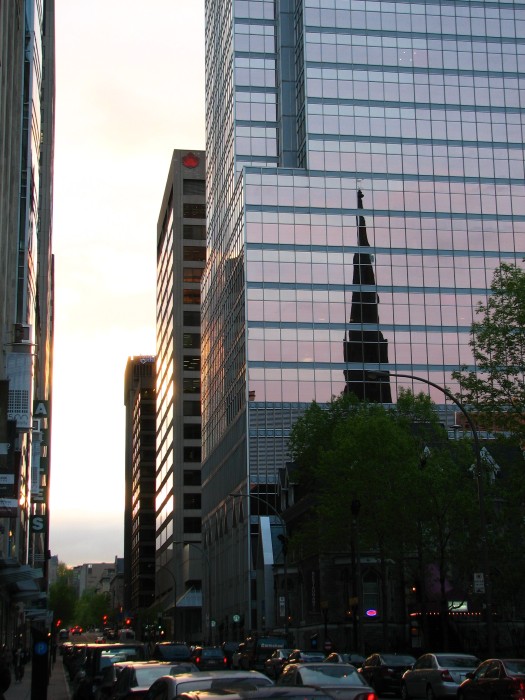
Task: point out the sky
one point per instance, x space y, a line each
129 90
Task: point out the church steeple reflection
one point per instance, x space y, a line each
362 346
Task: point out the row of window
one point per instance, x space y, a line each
275 353
501 22
418 53
401 87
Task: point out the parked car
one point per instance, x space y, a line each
209 658
384 671
354 659
270 693
341 680
257 649
132 680
229 649
274 664
168 687
437 675
503 679
89 661
171 651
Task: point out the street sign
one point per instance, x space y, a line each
479 583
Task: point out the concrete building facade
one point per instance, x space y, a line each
27 92
181 253
139 508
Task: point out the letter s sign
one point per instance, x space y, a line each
38 523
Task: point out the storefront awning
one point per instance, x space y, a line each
192 598
16 574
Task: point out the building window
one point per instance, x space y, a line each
194 253
192 477
192 274
192 340
192 431
191 386
192 318
193 211
191 296
192 525
192 501
194 232
194 187
192 454
191 408
192 363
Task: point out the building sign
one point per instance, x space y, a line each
9 459
314 584
479 583
40 459
38 524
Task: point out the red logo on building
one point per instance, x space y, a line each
190 160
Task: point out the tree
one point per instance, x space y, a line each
63 596
416 492
496 388
91 608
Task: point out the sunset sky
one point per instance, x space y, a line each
129 89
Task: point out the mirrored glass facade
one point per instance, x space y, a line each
366 176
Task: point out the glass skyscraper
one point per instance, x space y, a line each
365 178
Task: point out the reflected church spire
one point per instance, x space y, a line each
362 345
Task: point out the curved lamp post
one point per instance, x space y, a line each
372 374
284 550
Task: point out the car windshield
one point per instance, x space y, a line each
395 660
313 657
515 667
328 674
173 651
212 653
451 661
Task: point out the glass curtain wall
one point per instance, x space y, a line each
366 177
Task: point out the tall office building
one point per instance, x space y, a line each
324 117
181 253
27 91
139 499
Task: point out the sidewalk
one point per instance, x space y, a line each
57 689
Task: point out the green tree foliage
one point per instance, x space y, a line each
496 388
63 597
91 608
416 487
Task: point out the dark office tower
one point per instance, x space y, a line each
139 502
418 105
181 254
26 289
365 344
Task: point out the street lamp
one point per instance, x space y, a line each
284 549
481 491
170 572
204 554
